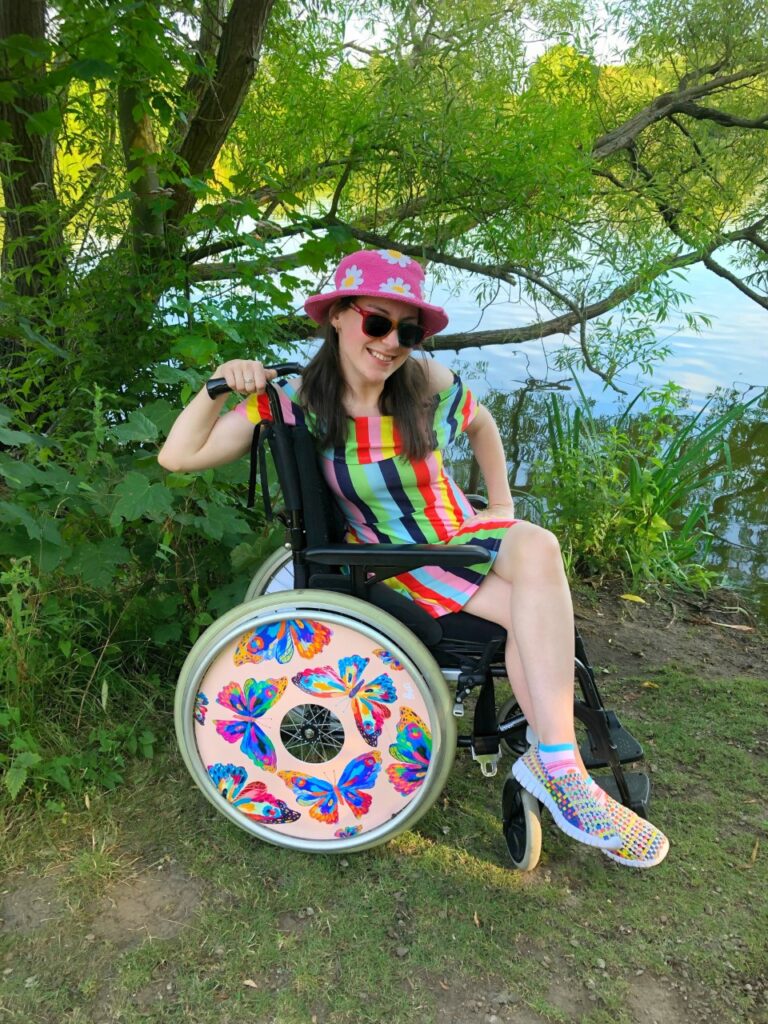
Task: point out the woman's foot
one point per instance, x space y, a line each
569 799
643 845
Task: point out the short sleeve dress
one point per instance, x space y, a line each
387 499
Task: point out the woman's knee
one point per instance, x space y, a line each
533 550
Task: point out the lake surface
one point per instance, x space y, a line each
731 353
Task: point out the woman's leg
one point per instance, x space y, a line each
527 593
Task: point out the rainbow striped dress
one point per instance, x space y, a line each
388 499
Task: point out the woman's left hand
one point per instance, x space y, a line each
501 510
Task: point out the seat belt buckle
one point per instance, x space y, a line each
489 762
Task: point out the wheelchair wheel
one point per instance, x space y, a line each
315 721
274 575
521 821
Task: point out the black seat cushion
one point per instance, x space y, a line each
457 630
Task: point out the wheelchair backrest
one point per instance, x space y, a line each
311 515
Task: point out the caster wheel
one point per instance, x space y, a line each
521 818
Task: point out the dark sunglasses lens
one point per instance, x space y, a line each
376 326
410 334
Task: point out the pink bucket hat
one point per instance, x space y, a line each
384 272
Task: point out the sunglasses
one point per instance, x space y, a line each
376 325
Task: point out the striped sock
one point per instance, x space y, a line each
558 759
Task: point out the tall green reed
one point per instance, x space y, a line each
632 496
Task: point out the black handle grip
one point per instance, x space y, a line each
218 386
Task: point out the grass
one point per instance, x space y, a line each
144 906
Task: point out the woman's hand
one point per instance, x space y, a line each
500 510
245 375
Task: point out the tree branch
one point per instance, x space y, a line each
668 103
721 117
720 270
31 247
223 95
139 150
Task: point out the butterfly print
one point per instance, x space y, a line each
369 699
201 708
281 640
323 798
249 703
389 659
411 752
348 832
252 800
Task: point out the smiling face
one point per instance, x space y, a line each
366 362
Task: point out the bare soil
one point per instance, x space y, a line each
716 637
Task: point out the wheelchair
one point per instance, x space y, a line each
321 714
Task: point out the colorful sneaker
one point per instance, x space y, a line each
570 802
643 845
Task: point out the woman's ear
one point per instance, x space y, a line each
333 316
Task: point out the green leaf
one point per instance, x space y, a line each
96 562
44 122
90 69
14 438
196 348
137 427
13 513
137 497
18 773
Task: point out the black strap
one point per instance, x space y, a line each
485 728
257 456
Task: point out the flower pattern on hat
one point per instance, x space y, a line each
394 257
397 286
352 278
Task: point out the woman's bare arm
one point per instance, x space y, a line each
201 436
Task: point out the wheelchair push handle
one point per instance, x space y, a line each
218 385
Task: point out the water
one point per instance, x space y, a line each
728 354
732 351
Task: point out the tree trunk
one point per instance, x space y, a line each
31 244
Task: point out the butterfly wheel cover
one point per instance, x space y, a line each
391 697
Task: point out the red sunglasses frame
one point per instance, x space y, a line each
394 326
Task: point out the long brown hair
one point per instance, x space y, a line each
405 397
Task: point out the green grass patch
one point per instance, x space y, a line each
146 906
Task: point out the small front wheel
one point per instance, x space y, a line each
521 821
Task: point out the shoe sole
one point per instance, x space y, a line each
528 781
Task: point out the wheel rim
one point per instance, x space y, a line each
274 575
265 737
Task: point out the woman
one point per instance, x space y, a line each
380 418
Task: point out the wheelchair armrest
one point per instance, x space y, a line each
397 557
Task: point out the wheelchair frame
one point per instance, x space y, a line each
338 588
